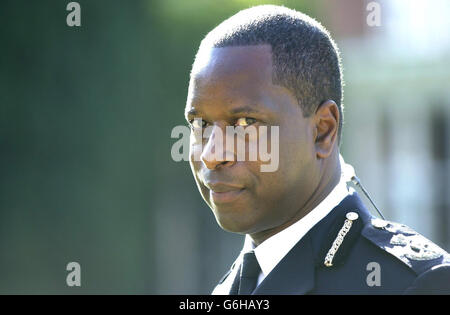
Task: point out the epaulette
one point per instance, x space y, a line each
411 248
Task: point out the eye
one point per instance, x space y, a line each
245 121
197 123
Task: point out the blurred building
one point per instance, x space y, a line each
397 107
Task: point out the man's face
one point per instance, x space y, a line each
233 86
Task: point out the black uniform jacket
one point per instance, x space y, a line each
365 256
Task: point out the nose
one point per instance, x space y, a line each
215 153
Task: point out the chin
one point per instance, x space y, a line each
232 221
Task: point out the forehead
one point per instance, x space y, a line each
233 61
231 74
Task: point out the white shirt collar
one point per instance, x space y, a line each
271 251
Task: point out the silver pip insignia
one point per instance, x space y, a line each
416 247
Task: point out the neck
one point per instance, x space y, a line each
325 187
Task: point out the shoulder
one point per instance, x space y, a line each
429 262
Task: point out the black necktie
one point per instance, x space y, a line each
249 272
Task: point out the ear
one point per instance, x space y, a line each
326 121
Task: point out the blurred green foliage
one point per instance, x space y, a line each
86 171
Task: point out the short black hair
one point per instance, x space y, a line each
305 58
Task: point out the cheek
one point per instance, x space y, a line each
195 147
293 148
295 159
194 162
196 167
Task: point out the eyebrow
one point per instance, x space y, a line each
245 110
234 111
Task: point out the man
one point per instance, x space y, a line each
305 231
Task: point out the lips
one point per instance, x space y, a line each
224 192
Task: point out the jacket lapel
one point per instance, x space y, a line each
294 274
